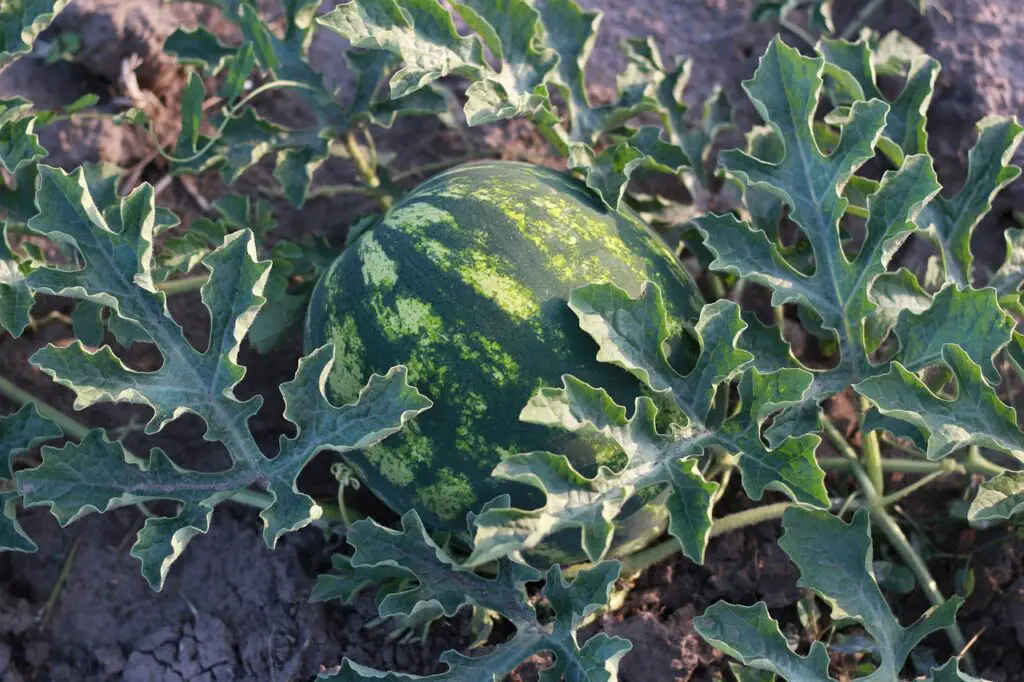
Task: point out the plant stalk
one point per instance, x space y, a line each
173 287
872 452
19 396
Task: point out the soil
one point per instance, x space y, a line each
234 610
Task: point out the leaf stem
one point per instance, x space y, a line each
977 463
648 557
173 287
229 115
872 452
19 396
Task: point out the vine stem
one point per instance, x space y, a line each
229 115
76 430
862 17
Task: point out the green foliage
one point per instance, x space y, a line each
833 558
21 22
413 574
923 351
243 137
631 333
116 250
839 294
542 48
19 433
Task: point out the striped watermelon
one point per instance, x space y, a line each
466 282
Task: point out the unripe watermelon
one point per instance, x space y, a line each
466 282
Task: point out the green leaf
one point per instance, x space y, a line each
571 32
19 144
294 170
609 173
100 474
834 560
975 416
894 294
999 498
421 32
970 318
22 21
16 298
199 47
631 333
904 132
511 30
751 636
856 300
19 432
414 573
950 221
1010 275
950 672
422 35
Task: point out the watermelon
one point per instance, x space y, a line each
466 282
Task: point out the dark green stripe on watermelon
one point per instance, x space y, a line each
466 282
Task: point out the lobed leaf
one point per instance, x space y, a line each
999 498
851 297
16 298
851 67
98 474
19 432
976 416
22 22
834 559
631 333
414 573
949 222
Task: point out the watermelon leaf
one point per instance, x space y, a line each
843 581
631 333
949 222
976 416
842 291
117 273
243 137
851 67
23 21
414 573
541 47
16 298
999 498
19 432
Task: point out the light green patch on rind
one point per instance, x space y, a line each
346 378
379 271
449 496
416 217
511 296
408 317
399 461
469 441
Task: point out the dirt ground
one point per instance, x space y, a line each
232 610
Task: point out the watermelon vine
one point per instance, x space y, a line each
923 353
